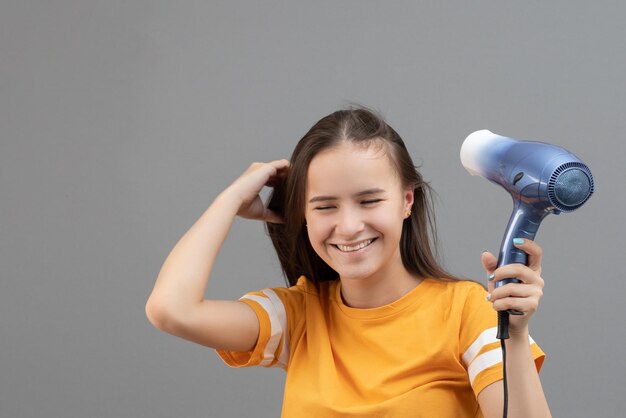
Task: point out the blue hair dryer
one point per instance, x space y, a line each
541 178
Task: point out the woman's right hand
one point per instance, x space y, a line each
248 186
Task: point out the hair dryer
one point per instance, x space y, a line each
541 178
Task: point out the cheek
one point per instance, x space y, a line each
318 230
318 233
386 221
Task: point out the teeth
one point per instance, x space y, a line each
347 248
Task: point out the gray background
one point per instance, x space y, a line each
121 120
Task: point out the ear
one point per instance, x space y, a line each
408 198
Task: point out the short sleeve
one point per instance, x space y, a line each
480 349
271 349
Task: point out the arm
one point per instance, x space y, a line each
525 393
176 304
526 397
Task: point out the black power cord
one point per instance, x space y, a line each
503 334
506 390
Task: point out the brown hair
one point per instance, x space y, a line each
361 126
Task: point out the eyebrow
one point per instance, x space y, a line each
359 194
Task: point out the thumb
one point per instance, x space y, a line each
489 261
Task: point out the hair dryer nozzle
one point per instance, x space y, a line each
476 146
472 146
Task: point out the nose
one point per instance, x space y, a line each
349 223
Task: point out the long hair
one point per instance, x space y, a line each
361 126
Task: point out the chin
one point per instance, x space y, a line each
355 274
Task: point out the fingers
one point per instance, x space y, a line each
523 297
517 271
249 185
281 168
533 250
259 175
517 296
283 162
275 171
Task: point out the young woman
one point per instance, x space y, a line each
371 325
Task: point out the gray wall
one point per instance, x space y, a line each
121 120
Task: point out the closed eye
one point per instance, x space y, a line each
372 201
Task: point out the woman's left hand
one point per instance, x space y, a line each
523 297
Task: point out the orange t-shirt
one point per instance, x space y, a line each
428 354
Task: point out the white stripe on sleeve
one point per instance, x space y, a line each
276 330
484 361
488 336
283 359
476 364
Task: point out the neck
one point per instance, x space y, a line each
371 292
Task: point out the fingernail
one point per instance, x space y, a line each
518 241
488 297
484 251
491 276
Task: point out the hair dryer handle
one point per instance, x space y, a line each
524 223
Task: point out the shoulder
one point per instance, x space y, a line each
303 293
457 290
459 302
303 287
306 286
469 296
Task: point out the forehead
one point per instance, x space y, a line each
349 168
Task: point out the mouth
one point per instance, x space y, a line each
354 247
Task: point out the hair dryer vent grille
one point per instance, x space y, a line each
570 186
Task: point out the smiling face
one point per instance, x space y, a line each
355 208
